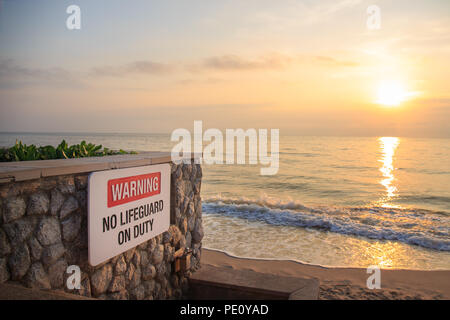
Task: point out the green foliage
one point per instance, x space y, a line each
22 152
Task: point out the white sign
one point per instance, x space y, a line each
126 207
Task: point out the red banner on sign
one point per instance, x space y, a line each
133 188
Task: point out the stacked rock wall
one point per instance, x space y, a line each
43 230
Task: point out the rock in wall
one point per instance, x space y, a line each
43 230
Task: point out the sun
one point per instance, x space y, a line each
391 93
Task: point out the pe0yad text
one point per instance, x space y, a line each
230 309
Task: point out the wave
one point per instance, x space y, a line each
414 198
419 227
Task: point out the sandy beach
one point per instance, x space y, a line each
345 283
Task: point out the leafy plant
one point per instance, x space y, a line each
22 152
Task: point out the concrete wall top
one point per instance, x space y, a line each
28 170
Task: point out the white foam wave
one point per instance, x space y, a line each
417 227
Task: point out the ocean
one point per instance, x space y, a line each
336 201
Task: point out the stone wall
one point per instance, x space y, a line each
43 230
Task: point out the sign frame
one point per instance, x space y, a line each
139 212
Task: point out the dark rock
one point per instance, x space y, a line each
82 199
168 252
69 206
71 227
129 254
117 284
130 272
148 272
158 254
184 226
56 202
149 287
167 236
4 273
188 240
15 209
190 209
35 248
137 258
48 231
67 185
57 273
143 245
5 248
176 235
81 182
38 204
121 295
136 279
144 258
187 170
36 277
161 271
19 261
52 253
101 280
85 288
138 293
191 223
197 186
121 266
197 234
18 231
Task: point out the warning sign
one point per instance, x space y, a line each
126 207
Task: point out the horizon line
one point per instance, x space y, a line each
168 133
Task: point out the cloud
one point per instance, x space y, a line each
333 62
136 67
226 62
234 62
13 75
9 69
209 80
268 62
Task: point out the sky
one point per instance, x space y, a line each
304 67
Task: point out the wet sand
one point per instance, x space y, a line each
345 283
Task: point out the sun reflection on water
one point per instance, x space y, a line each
388 145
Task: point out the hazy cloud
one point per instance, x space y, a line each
234 62
333 62
273 61
13 75
136 67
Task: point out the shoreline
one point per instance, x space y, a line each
231 255
344 283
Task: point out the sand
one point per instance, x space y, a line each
346 283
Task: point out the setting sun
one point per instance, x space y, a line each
391 93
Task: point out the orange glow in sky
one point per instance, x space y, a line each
305 67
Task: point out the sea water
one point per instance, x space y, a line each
336 201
